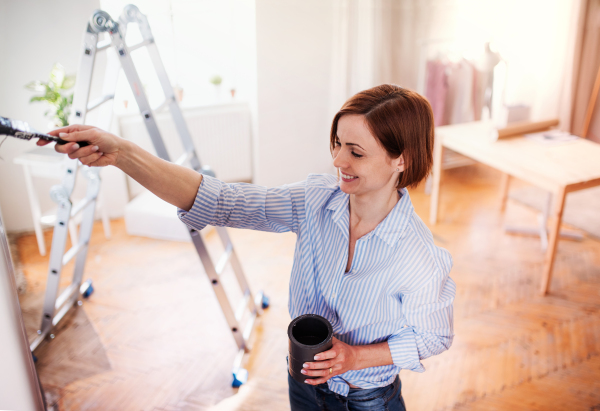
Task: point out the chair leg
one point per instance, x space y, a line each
504 185
105 220
36 211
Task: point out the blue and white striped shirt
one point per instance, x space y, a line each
397 290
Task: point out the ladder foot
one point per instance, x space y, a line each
265 302
86 288
240 376
208 171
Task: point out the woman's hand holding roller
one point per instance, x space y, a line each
175 184
103 148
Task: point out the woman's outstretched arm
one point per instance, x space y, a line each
175 184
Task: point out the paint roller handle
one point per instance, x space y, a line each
61 142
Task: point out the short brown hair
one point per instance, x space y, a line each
402 121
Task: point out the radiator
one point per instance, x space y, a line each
221 135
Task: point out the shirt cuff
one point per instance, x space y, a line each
404 350
338 385
205 205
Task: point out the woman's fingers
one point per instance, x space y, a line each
80 153
83 135
91 159
318 365
70 129
323 375
68 148
324 372
325 355
329 363
102 149
321 367
69 133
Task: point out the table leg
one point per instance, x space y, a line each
36 211
559 203
437 171
504 184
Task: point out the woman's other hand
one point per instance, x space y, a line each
340 358
103 149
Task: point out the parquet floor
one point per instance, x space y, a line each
152 336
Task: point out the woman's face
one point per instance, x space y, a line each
364 165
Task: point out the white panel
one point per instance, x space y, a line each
19 388
149 216
222 138
221 135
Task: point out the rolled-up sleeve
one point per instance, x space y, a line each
429 323
250 206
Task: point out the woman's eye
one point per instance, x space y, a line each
337 143
356 155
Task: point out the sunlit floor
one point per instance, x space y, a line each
152 336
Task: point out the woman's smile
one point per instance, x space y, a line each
348 178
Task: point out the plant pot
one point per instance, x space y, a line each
308 335
178 93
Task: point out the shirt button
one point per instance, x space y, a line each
333 295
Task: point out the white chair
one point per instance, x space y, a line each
44 162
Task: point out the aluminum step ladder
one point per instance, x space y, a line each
251 305
55 305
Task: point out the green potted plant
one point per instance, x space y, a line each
55 95
216 80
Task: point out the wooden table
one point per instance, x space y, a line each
559 169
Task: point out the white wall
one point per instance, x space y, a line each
535 37
19 388
293 68
294 39
196 40
37 44
36 34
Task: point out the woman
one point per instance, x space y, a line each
363 260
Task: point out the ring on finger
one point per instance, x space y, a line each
330 370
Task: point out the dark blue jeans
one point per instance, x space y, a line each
305 397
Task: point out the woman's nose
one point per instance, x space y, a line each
339 159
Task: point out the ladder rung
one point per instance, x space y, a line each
65 295
184 157
60 314
72 253
141 44
162 105
99 101
239 312
237 363
38 340
258 300
248 328
81 205
103 45
223 260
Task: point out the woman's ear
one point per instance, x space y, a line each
399 163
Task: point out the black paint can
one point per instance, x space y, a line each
308 335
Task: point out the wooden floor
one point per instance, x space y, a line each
152 336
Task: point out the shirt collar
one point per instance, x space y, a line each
389 230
